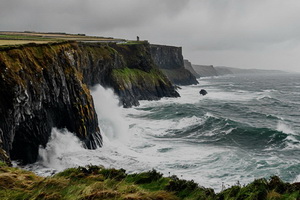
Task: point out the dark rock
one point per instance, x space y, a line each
127 68
188 66
170 60
46 86
42 89
203 92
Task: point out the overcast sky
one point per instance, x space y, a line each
235 33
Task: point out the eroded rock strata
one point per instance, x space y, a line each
46 86
205 70
188 66
170 60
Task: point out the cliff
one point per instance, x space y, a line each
223 70
188 66
41 88
233 70
170 60
205 70
128 69
46 86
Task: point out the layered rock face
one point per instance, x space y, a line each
170 60
188 66
128 69
205 70
46 86
41 88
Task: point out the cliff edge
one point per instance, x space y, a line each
205 70
170 60
47 85
188 66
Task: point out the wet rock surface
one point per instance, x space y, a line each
46 86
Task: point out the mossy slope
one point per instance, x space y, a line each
46 85
127 68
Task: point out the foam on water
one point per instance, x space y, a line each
109 113
285 128
60 144
136 141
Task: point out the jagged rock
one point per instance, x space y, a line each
188 66
127 68
42 89
203 92
45 86
170 60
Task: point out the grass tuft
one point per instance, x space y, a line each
94 182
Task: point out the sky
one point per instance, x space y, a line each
263 34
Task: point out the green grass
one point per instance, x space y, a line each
93 182
22 37
127 76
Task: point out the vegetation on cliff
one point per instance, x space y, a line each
41 88
93 182
9 38
170 60
46 85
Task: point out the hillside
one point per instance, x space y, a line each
205 70
231 70
93 182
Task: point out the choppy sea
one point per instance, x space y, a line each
246 127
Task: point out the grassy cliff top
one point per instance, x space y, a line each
19 38
95 182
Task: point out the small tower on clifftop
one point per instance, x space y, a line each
137 38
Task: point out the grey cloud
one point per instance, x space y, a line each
87 15
218 29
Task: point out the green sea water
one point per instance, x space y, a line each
246 127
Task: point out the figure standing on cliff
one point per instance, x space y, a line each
137 38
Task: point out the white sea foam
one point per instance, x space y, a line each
61 143
297 179
137 143
285 128
109 113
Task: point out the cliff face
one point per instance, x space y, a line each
41 88
188 66
170 60
45 86
205 70
128 69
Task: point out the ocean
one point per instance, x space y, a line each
246 127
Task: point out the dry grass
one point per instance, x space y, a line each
19 38
19 42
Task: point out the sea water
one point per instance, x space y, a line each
246 127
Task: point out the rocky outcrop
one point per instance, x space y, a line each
128 69
170 60
188 66
46 86
205 70
41 88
